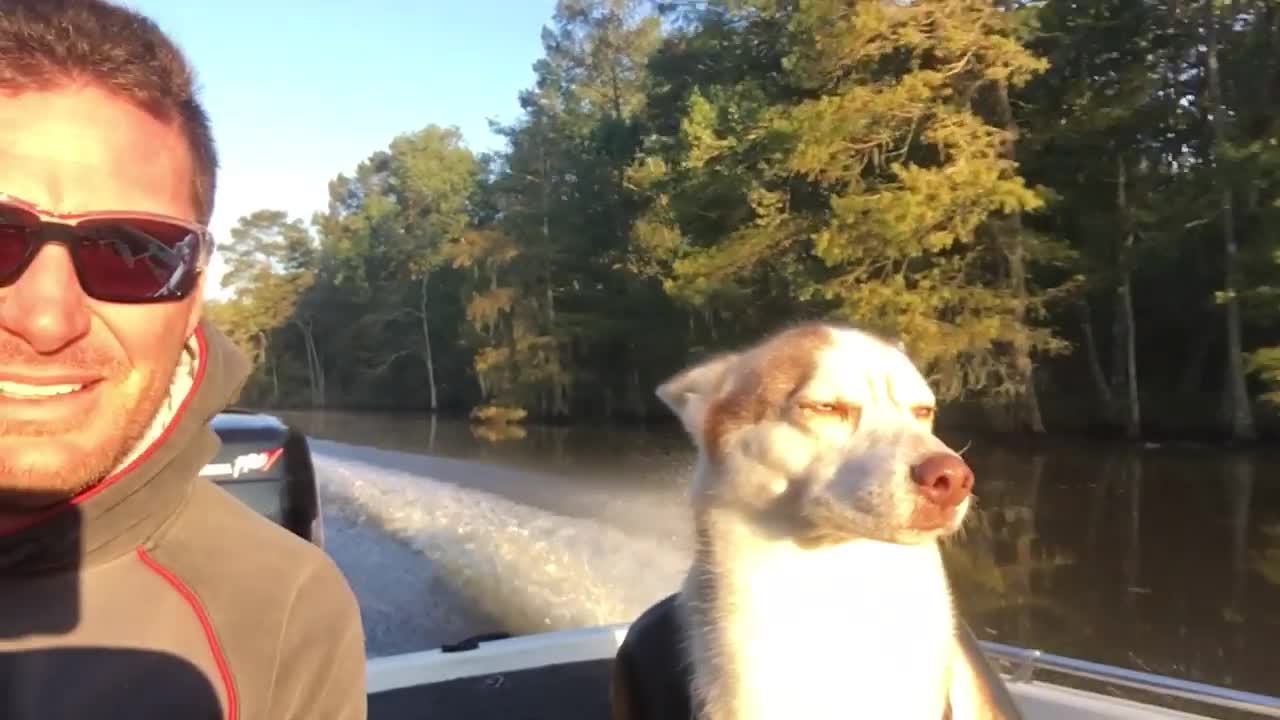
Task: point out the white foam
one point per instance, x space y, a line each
531 570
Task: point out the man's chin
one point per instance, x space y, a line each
38 471
62 448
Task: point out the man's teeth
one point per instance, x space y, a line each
21 390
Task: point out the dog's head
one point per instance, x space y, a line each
821 434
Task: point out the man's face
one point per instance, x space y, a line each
79 149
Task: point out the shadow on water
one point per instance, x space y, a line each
45 675
1165 560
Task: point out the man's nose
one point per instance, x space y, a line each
46 306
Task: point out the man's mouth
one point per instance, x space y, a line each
24 391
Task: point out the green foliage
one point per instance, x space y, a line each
858 179
983 180
1266 362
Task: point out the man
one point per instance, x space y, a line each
129 588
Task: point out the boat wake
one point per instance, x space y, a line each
517 568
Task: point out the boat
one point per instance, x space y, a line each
565 674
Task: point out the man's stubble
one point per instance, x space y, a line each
133 402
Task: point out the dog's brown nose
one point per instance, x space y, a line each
943 478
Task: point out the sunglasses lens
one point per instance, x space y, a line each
118 258
136 259
14 245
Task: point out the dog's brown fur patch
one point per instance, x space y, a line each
776 369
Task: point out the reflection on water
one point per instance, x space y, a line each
659 458
1164 560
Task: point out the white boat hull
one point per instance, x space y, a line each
1038 700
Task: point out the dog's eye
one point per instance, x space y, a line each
922 412
839 410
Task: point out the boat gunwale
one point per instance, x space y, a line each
1026 662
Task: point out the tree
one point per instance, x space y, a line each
270 264
857 177
434 176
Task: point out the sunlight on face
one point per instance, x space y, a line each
80 149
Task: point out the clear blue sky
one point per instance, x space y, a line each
301 91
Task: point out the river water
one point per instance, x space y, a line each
1164 559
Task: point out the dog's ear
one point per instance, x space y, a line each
690 391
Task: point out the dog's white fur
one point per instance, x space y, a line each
814 592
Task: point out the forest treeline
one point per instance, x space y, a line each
1066 209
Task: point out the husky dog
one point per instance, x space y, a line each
817 588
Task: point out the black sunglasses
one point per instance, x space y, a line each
119 256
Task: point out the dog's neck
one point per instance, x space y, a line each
777 631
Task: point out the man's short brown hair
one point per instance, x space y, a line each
48 43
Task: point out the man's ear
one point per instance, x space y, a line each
690 392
